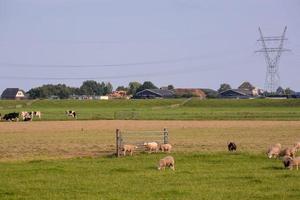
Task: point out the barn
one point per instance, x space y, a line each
13 93
154 94
236 94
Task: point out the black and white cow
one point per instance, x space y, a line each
11 116
71 113
27 116
37 114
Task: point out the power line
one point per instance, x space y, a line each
167 61
153 74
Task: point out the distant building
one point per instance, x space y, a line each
236 94
190 92
249 88
154 94
119 95
13 93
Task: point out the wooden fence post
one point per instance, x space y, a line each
118 142
166 136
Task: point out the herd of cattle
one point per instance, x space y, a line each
29 116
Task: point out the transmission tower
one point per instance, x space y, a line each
272 57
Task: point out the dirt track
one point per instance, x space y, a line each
60 139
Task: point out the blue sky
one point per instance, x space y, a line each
187 43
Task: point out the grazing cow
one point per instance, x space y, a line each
37 114
231 146
27 116
11 116
71 113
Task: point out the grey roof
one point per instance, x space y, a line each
9 93
159 92
246 86
239 91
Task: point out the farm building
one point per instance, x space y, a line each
13 93
154 94
236 94
189 92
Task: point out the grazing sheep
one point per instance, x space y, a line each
274 151
165 147
128 148
151 146
288 152
292 162
297 146
231 146
286 161
166 162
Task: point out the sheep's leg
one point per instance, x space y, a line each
131 153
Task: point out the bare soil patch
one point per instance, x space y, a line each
66 139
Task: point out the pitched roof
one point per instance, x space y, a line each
159 92
10 93
246 86
238 91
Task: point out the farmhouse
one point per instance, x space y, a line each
13 93
154 94
245 90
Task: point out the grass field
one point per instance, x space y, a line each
60 158
209 176
163 109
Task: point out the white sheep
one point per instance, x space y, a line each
274 150
288 152
128 148
166 162
297 146
165 147
151 146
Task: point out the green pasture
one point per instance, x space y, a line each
208 176
162 109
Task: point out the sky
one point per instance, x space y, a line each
187 43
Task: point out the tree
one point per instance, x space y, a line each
146 85
91 87
289 91
122 88
108 88
224 87
132 87
46 91
170 87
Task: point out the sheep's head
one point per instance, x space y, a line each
270 154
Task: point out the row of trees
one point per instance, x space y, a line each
62 91
89 88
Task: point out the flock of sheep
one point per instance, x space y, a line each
151 147
288 155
